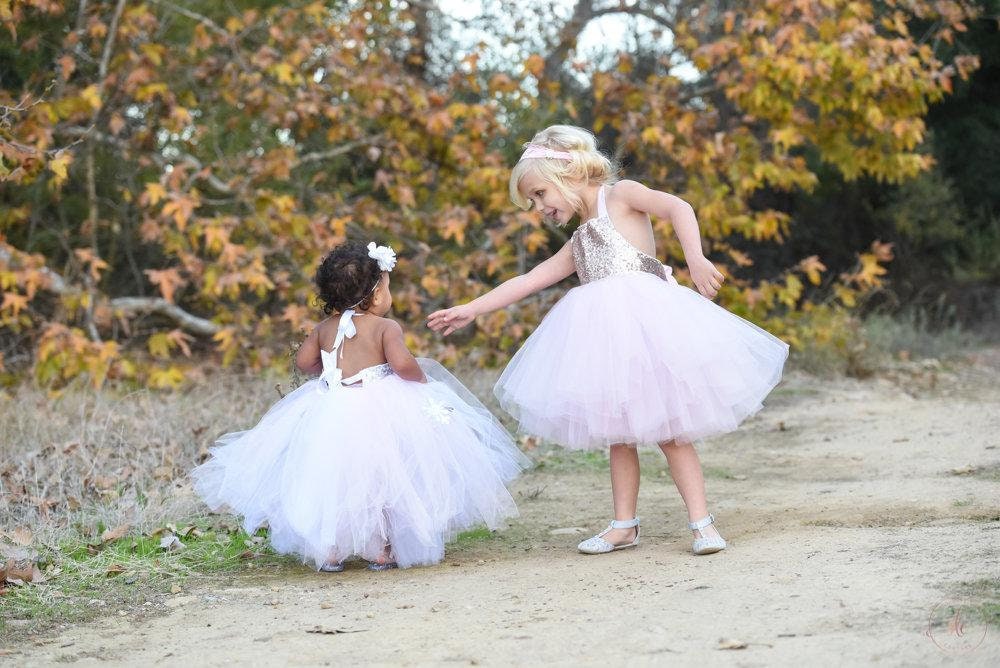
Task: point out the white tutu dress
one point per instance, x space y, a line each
338 468
632 357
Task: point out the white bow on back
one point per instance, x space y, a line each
332 374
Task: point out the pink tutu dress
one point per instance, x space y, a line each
341 466
630 356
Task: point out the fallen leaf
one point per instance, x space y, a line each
112 535
332 632
192 531
17 574
963 470
114 569
170 542
729 643
21 536
175 589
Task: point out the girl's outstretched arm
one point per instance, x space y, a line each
308 359
553 270
398 355
705 276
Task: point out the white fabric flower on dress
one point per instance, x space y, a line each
438 410
385 256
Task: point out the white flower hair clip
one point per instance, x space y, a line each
385 256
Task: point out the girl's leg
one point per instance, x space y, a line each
624 490
685 469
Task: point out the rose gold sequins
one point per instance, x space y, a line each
599 251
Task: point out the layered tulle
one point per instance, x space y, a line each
338 473
636 359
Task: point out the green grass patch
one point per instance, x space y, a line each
985 594
794 392
553 459
718 472
988 472
473 537
558 460
86 578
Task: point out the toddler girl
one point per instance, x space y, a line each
629 357
382 457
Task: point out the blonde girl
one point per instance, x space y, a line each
630 357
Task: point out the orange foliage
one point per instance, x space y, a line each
251 143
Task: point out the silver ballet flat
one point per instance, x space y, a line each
706 544
332 567
597 544
384 566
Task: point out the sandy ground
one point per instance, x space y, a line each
854 510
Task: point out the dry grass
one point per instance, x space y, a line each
88 462
76 467
88 457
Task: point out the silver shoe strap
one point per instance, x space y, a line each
702 523
624 524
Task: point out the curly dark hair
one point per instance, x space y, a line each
346 277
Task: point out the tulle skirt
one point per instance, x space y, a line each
635 359
340 473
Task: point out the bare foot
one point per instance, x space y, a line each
384 561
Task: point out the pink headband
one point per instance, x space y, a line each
539 151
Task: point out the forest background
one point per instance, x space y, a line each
171 173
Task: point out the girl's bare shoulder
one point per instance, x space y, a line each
383 324
625 190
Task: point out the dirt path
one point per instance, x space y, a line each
852 508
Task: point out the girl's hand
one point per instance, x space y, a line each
706 277
450 319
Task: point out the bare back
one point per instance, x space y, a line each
361 351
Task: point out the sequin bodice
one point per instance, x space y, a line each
600 250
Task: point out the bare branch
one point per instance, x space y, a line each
583 13
636 10
200 18
102 69
160 306
56 283
229 38
155 156
129 305
340 150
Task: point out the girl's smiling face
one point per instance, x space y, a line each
546 198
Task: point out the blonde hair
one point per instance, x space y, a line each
587 164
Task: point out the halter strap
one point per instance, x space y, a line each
602 207
345 330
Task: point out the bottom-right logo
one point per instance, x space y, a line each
956 626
